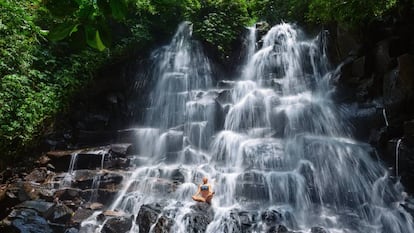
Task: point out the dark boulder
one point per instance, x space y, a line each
318 230
149 215
383 60
278 229
122 149
199 218
80 215
27 221
358 67
118 225
72 230
60 214
271 217
40 206
38 175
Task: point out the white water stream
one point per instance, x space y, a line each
271 141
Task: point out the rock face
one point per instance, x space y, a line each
199 218
150 215
117 225
52 199
376 87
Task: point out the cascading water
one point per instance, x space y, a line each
273 145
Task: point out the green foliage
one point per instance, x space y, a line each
35 84
26 103
49 49
349 13
85 20
219 22
274 11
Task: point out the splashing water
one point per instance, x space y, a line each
273 144
397 153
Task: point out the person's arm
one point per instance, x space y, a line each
210 189
198 191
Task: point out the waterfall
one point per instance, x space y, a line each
67 180
384 113
397 153
273 145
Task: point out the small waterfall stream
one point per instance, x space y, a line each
272 144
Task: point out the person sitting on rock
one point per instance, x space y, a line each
204 192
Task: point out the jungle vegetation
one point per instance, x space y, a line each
49 49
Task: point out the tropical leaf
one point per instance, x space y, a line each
118 8
104 6
62 31
93 38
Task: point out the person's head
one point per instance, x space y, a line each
205 180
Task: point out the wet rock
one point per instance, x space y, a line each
27 221
177 176
278 229
358 67
262 28
225 84
408 205
80 215
378 136
409 132
147 216
72 230
398 85
393 95
102 195
110 214
174 141
60 160
84 179
91 159
60 214
28 191
318 230
278 123
117 163
251 185
224 97
406 73
96 206
163 224
38 175
271 217
43 160
382 57
68 194
8 199
40 206
247 220
122 149
282 229
199 218
364 118
126 136
347 44
118 225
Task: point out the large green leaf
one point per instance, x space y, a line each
104 6
62 31
105 34
93 38
118 8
